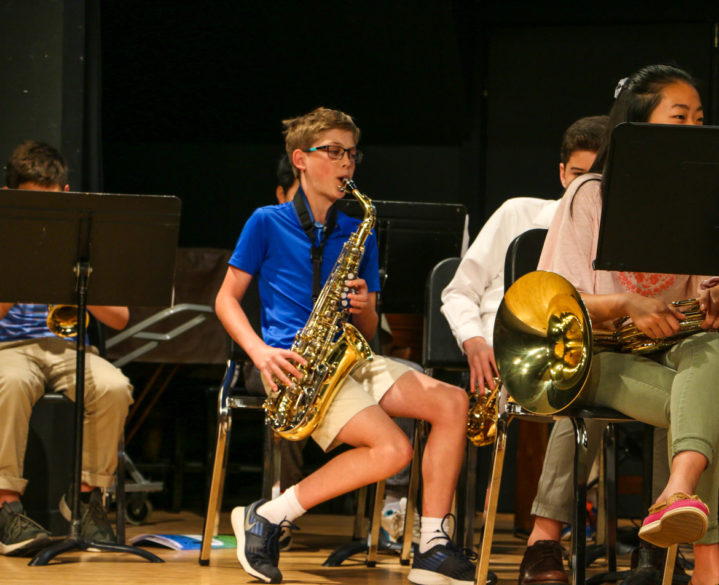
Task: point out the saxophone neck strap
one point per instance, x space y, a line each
317 235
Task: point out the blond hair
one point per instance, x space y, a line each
302 131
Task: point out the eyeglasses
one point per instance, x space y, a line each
335 152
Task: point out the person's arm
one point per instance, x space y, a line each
481 268
482 366
569 250
272 362
481 273
652 317
363 309
5 309
115 317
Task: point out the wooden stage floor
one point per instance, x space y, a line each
319 535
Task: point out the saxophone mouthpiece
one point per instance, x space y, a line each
348 185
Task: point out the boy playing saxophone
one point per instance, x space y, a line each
275 248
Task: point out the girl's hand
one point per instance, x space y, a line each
653 317
709 303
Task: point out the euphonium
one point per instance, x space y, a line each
331 346
543 342
62 320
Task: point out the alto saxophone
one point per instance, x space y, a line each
331 345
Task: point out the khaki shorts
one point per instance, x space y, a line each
364 387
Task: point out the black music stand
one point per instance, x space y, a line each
53 243
661 203
412 238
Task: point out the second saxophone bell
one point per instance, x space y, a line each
62 320
483 415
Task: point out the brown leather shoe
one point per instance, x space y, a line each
543 564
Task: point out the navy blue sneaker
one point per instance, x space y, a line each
443 564
258 547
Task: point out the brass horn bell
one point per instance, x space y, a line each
543 342
62 320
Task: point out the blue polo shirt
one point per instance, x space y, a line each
25 321
274 249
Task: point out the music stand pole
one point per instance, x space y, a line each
75 541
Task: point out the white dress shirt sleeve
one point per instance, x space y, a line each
471 299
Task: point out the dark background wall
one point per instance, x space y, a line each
461 102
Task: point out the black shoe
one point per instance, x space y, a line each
543 564
19 535
94 523
647 566
285 540
258 547
443 564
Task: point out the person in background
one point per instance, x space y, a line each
34 360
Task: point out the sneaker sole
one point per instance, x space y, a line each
238 526
425 577
683 525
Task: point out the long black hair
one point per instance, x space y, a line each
636 97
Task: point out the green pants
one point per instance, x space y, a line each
676 388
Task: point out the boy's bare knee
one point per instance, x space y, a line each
397 454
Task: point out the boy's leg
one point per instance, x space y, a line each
107 397
553 505
445 408
381 449
21 386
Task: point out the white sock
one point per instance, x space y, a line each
283 507
430 533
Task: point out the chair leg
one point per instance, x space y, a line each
490 507
271 462
669 565
465 496
214 503
579 526
412 493
610 496
120 499
375 523
359 529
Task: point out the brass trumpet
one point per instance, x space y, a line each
62 320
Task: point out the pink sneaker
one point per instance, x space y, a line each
681 519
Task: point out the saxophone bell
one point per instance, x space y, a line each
483 415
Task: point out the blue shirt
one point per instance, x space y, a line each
274 248
25 321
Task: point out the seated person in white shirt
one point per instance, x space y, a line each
470 301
